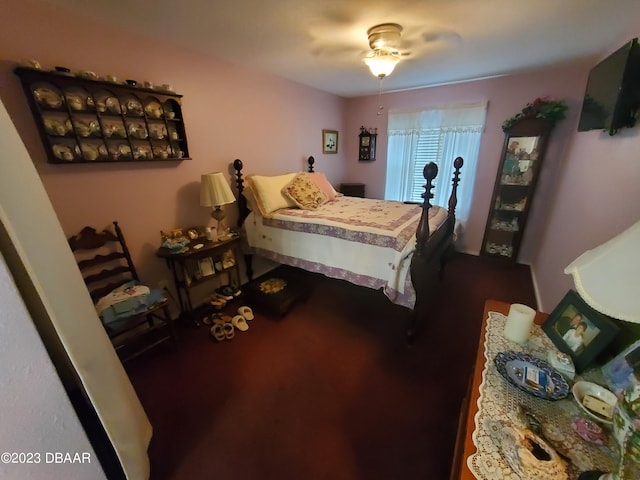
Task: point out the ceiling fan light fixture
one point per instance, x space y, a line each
382 62
385 36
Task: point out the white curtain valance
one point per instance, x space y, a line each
423 131
467 116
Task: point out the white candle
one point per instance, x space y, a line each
519 323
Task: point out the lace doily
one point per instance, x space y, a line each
500 400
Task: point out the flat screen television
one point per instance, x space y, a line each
612 96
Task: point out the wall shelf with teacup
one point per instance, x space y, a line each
88 120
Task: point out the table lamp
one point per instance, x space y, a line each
608 279
215 192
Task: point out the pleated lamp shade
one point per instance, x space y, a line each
214 190
607 277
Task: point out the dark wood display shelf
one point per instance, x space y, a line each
522 156
84 120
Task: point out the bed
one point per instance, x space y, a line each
398 248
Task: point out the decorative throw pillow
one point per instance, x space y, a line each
268 192
304 192
321 181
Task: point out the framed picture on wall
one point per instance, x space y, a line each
578 330
329 141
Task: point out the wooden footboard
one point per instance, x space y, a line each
432 248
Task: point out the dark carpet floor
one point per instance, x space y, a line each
330 391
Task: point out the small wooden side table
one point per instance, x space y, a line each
208 260
352 189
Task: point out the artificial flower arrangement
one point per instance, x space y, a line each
541 107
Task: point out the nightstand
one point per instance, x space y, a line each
352 189
195 266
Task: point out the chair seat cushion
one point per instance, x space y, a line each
126 301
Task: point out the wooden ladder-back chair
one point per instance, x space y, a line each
134 320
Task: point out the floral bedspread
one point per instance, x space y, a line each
365 241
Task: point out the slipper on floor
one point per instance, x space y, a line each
246 312
221 319
218 303
217 332
240 323
228 330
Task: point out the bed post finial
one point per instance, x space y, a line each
453 199
310 162
430 172
243 210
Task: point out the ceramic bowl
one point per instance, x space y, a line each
582 389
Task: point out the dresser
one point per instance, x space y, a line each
501 396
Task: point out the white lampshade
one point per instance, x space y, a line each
382 62
214 190
608 277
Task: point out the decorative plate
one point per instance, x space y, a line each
76 102
63 152
158 131
89 151
153 109
137 130
113 105
514 367
47 97
57 127
134 107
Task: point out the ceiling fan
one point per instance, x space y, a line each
384 41
340 39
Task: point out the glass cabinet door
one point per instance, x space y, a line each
522 155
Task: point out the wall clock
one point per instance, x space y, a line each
367 143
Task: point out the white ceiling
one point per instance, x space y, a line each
321 43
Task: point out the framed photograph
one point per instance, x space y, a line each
624 369
578 330
329 141
205 267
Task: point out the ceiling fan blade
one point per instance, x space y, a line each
333 50
443 35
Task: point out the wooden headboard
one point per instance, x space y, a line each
243 209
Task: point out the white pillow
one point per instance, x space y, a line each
268 192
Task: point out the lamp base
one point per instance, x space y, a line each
218 215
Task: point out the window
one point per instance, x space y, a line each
436 135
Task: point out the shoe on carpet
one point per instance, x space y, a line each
225 292
221 319
240 323
229 291
217 332
246 312
228 330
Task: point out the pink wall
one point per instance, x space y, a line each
588 189
597 197
273 124
506 96
230 112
